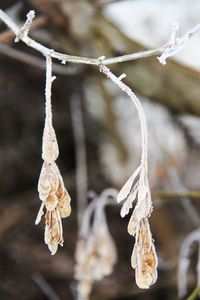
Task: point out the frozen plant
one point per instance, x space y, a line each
52 192
51 188
96 252
185 260
144 258
176 43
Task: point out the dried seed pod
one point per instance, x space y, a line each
128 186
84 288
56 200
144 259
95 251
53 230
50 150
64 206
52 192
51 188
142 210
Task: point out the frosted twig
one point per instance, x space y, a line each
129 92
184 261
23 32
95 61
175 43
49 80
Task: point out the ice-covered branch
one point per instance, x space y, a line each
174 45
23 32
80 154
118 81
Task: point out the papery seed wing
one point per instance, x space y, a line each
64 206
126 189
56 230
43 183
53 247
144 235
47 234
133 223
61 191
53 180
142 191
146 271
144 207
105 245
128 204
61 241
84 288
134 257
52 231
40 214
51 202
80 251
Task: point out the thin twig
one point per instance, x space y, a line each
129 92
70 58
7 35
45 286
186 203
184 261
25 28
174 195
80 153
194 294
49 80
176 47
35 61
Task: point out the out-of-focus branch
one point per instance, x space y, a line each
105 2
80 153
186 203
45 287
35 61
185 260
175 196
194 294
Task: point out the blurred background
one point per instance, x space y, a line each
90 113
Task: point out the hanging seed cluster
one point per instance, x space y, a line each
144 258
52 192
96 252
